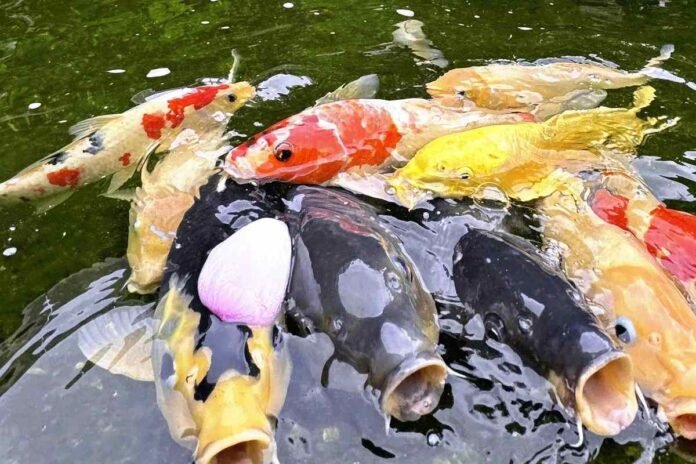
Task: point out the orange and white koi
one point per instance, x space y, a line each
669 235
364 136
116 144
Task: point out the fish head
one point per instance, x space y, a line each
664 346
469 84
301 149
249 381
231 97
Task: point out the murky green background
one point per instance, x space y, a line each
63 55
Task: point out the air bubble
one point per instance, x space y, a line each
434 438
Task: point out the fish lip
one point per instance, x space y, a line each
256 437
591 393
432 372
681 414
239 169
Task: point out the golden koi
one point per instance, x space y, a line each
116 144
528 160
617 274
515 86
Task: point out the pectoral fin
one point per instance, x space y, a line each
45 204
363 87
120 341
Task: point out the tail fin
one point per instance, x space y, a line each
616 129
653 68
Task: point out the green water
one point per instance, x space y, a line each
59 54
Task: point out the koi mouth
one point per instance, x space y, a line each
240 169
681 414
605 395
244 448
414 388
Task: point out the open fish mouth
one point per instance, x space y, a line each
681 414
605 396
414 387
247 447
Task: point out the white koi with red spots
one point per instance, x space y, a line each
116 144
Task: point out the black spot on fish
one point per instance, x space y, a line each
203 390
228 345
376 450
96 144
58 157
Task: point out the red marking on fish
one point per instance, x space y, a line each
125 159
65 177
671 238
153 123
198 98
325 141
611 208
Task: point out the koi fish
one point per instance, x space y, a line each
362 135
515 86
525 161
220 365
159 204
117 144
352 281
616 273
410 34
539 313
669 235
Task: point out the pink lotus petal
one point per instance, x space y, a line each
245 277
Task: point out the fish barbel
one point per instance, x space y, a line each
315 145
669 235
116 144
528 160
536 311
510 86
615 272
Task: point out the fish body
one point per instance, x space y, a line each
364 135
616 273
222 371
539 313
159 205
668 235
106 145
514 86
352 281
528 160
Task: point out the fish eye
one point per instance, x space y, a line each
494 327
461 93
283 151
625 331
464 176
231 98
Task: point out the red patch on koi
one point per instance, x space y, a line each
671 238
65 177
125 159
611 208
153 123
198 98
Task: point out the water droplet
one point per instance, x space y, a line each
434 438
337 325
390 190
158 72
405 12
116 71
393 281
9 251
426 215
34 106
524 28
288 5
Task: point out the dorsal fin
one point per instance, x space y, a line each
89 126
147 95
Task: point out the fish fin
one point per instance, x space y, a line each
121 177
46 204
643 97
581 99
235 65
363 87
665 54
120 341
147 95
123 194
87 127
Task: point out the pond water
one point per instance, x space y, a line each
61 62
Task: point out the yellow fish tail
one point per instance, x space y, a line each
601 129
